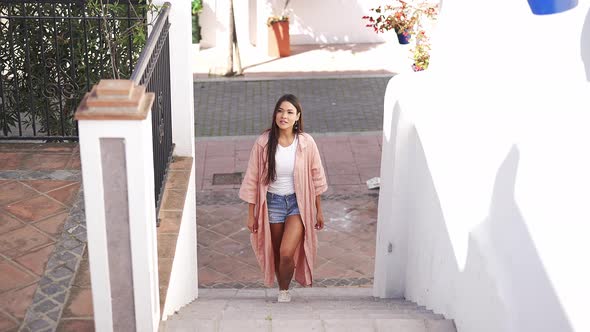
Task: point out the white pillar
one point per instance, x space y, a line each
181 78
117 168
182 291
263 12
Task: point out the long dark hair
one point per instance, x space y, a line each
273 135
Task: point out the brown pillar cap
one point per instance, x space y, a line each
115 100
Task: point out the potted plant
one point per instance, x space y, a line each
279 41
402 17
421 52
196 9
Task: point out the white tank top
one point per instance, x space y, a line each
285 165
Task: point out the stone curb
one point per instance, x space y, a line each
62 175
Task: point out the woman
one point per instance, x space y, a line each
282 185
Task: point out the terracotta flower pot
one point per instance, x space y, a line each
279 43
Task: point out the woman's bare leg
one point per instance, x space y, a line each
292 236
276 235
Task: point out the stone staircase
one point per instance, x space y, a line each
311 309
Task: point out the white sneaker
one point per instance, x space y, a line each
284 296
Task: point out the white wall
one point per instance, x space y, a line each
183 284
312 22
214 21
493 141
183 279
332 22
181 80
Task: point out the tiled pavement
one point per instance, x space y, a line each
241 107
347 244
42 238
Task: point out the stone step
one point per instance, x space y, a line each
301 325
311 309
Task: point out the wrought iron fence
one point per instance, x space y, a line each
52 52
153 71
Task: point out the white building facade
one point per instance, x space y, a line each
483 208
311 22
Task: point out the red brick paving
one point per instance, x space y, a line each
32 213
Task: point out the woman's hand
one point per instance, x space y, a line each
319 215
252 224
320 221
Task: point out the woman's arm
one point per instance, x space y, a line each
252 225
320 215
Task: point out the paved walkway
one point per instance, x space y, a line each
311 61
244 107
44 283
343 106
347 244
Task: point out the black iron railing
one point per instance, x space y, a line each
153 71
52 52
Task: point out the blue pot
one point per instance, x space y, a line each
545 7
403 38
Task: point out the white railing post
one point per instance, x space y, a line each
117 167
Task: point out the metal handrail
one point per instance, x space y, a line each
152 43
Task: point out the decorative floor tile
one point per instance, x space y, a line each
8 223
16 301
13 277
52 225
44 186
225 251
20 241
35 208
14 192
66 194
7 323
36 260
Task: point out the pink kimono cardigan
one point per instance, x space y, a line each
309 181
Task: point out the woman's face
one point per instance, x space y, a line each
286 116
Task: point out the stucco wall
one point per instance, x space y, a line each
312 22
331 22
183 284
485 180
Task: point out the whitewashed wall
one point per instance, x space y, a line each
485 171
183 284
331 22
182 288
312 22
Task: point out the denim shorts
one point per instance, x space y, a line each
280 207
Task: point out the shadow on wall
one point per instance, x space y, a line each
518 263
585 45
503 282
